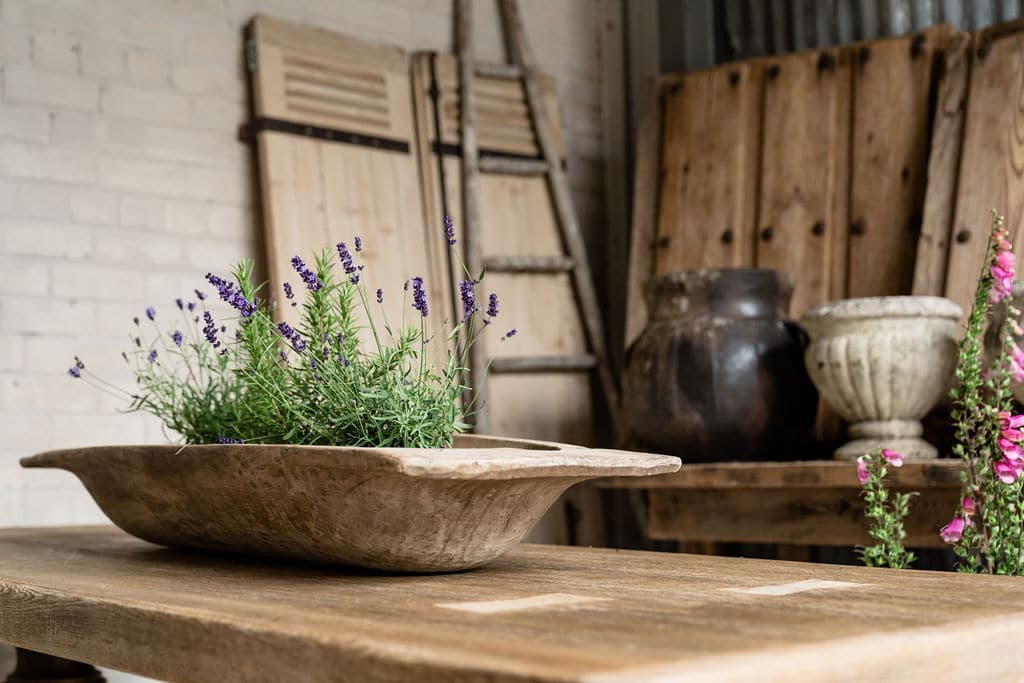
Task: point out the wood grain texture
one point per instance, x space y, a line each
943 165
991 174
891 127
708 168
804 503
390 509
317 193
833 516
519 220
135 607
643 223
803 160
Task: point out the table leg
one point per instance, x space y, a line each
35 667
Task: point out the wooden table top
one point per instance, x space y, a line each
542 613
801 474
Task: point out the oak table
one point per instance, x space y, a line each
541 613
802 503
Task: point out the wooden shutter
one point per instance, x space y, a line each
337 159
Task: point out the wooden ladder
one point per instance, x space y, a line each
524 68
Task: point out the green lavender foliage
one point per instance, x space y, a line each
369 386
886 511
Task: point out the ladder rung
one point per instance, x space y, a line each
513 166
544 363
529 264
496 70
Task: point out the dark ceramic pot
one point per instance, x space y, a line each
718 374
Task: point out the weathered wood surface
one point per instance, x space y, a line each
393 509
943 166
710 139
542 614
519 221
991 174
643 222
889 158
808 474
803 172
319 192
803 503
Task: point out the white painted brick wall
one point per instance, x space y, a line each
122 183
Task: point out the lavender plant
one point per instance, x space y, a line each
329 380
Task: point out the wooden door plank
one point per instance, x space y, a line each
708 168
892 84
643 230
806 130
991 174
943 165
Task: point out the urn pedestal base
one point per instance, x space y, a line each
902 436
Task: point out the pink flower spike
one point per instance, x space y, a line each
968 505
1006 471
892 457
862 470
1011 450
954 531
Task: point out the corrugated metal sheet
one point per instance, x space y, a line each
700 33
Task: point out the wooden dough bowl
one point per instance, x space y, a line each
390 509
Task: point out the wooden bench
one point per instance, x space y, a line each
542 613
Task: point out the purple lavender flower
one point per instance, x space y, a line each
152 356
358 242
200 295
492 305
308 276
178 337
233 296
284 357
346 261
138 342
228 439
135 320
210 330
419 296
180 303
289 333
74 371
405 287
449 230
191 306
380 295
468 298
288 293
151 313
340 338
79 364
511 333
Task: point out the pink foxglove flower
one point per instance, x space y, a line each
1011 450
954 531
1008 421
1008 471
968 505
892 457
1006 260
1015 435
862 470
1017 364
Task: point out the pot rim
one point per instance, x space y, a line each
903 306
499 460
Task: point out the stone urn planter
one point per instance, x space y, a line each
882 363
390 509
718 374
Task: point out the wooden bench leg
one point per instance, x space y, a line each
35 667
